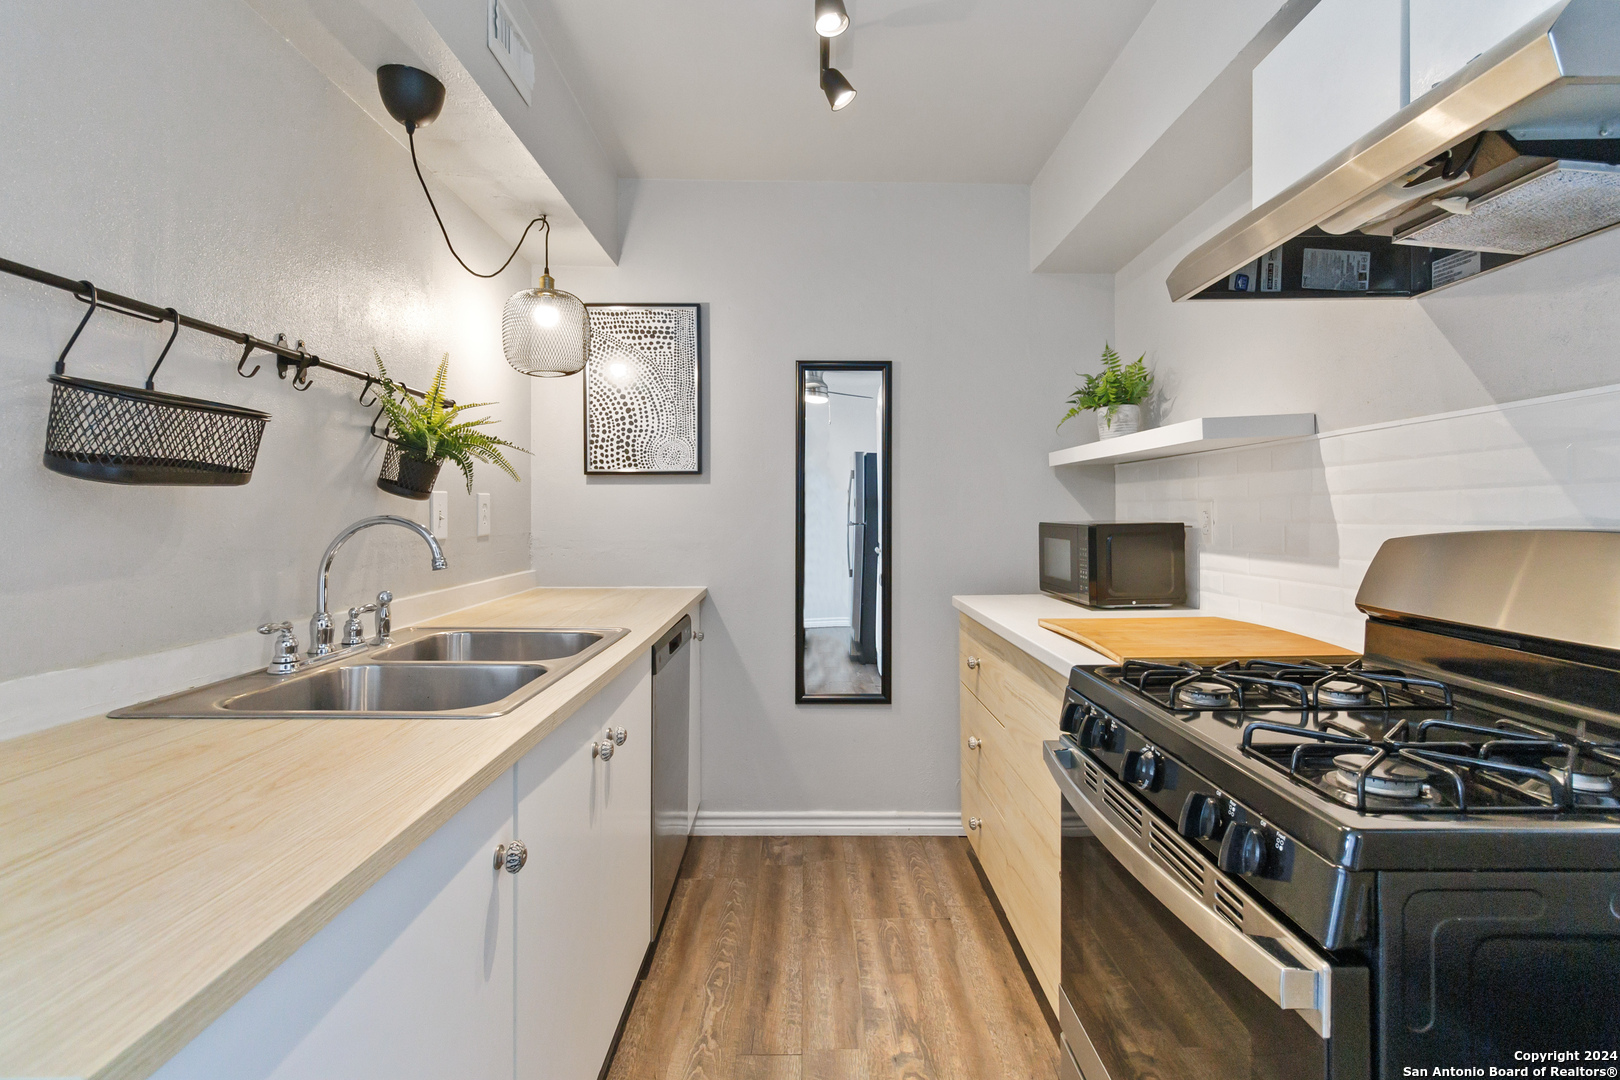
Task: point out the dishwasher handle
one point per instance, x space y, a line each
672 643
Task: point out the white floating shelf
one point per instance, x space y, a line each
1187 437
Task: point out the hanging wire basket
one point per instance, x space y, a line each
407 476
125 435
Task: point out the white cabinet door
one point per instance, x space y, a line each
1446 34
1336 76
412 981
581 927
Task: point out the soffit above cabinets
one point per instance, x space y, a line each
489 154
1557 78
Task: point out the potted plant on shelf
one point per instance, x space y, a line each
1116 395
423 435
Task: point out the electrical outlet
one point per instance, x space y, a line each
439 514
1206 522
483 513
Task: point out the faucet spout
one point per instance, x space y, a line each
320 625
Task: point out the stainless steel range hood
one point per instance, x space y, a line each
1508 157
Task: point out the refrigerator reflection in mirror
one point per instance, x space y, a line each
843 478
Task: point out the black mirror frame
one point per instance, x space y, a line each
885 562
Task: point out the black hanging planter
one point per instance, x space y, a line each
407 476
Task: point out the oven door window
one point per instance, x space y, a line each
1154 1000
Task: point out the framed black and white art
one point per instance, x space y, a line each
643 409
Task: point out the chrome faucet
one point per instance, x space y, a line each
320 624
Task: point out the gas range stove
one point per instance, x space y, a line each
1388 851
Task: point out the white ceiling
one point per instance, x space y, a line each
962 91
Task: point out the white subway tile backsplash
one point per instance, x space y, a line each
1297 523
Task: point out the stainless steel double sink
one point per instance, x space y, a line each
430 672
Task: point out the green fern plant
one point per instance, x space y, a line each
428 431
1117 384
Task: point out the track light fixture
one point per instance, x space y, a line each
544 331
837 88
831 18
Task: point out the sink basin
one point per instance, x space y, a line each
452 672
389 688
493 646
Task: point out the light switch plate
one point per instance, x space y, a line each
439 514
483 513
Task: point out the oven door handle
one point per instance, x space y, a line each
1303 985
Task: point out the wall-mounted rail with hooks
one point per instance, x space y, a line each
294 358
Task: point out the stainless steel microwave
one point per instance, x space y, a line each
1115 564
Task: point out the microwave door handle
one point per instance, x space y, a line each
1301 986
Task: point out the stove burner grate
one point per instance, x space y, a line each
1533 769
1303 685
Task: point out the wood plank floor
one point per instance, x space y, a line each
834 958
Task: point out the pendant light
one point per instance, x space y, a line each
544 331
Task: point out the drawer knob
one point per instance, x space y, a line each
603 750
972 662
974 742
511 857
619 735
974 823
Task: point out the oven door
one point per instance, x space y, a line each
1171 970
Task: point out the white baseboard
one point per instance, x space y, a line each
826 623
37 702
827 823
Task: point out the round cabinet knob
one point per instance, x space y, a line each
619 735
1243 851
1200 817
603 750
974 742
972 662
974 823
1142 768
511 856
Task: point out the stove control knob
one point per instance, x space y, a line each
1200 817
1097 732
1142 768
1244 850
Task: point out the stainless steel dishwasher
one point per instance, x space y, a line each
671 753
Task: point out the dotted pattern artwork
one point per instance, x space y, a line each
641 389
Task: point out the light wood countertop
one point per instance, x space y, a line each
152 871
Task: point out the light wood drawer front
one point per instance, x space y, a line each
1019 690
1019 836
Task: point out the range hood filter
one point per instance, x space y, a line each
1551 206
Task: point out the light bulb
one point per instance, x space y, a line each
546 315
831 18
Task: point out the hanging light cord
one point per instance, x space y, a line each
541 221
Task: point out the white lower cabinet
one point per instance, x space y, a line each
582 914
450 968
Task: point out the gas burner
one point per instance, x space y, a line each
1343 695
1387 779
1589 777
1205 695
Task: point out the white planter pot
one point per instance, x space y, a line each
1127 420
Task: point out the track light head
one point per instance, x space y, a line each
411 95
837 88
831 18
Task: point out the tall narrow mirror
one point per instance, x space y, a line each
843 629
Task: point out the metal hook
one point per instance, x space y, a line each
301 380
175 315
247 350
61 361
384 436
364 390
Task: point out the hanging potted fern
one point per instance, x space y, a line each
423 435
1116 394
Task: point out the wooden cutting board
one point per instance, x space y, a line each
1199 639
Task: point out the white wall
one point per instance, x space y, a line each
183 153
1296 523
932 277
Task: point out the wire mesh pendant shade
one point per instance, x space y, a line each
545 331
